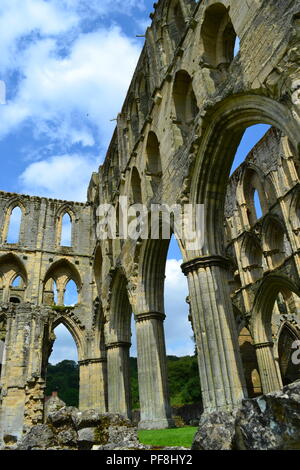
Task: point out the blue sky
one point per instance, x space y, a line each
67 65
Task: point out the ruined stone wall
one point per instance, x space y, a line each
39 248
191 98
192 69
264 248
177 146
39 258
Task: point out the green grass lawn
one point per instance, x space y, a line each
177 437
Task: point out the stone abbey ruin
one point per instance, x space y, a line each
190 100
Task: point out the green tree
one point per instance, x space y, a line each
64 377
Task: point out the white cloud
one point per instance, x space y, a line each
104 7
66 175
19 19
67 97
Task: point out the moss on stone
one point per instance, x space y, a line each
101 432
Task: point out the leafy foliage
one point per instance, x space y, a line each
64 377
183 378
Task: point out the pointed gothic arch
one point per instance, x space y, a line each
218 36
262 327
251 258
13 229
62 272
275 242
12 267
65 220
136 186
225 126
185 102
176 22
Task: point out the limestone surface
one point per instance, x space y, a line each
70 429
269 422
208 71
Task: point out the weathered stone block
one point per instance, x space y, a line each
270 422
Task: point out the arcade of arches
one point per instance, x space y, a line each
191 98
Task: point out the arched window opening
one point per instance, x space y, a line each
62 284
153 155
287 303
153 163
50 295
17 282
13 235
185 102
290 371
252 259
176 24
13 277
184 98
218 36
71 294
255 191
66 230
257 205
16 290
285 331
98 262
236 46
250 364
274 243
136 188
254 196
55 293
62 380
294 215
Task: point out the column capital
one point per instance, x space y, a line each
267 344
205 262
150 316
87 362
118 344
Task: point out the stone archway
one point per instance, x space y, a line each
290 372
207 269
262 328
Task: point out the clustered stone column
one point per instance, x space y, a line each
118 371
269 373
93 384
152 372
221 373
22 380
